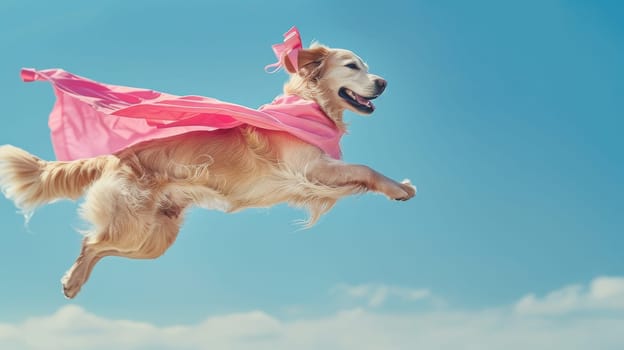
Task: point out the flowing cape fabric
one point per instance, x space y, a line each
91 118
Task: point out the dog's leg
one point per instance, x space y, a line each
129 220
335 173
151 245
91 253
78 274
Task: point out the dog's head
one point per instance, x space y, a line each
337 79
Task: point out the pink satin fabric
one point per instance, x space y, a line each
288 49
91 118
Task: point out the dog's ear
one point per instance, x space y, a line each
310 62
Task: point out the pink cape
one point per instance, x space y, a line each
91 118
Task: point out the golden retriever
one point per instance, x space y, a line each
136 199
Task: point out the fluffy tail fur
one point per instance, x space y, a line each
31 182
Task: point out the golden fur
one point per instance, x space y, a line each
136 199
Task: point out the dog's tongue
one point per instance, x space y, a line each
363 101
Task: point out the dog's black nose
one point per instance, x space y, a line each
381 85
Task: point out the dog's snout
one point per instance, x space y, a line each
381 85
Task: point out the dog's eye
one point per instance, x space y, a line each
352 66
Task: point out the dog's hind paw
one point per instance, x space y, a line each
71 286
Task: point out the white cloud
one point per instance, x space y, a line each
602 294
508 327
377 294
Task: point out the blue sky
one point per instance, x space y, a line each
506 116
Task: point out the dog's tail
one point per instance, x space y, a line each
31 182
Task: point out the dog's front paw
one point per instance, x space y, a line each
399 191
408 188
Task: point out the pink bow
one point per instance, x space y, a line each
289 48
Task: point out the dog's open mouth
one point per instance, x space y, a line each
361 103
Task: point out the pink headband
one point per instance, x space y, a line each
289 48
